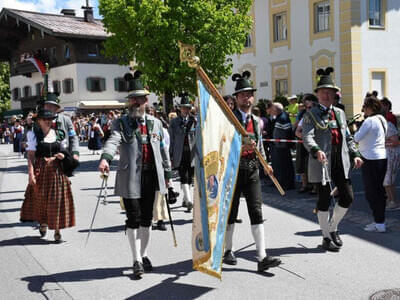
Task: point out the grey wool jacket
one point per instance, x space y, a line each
125 134
317 136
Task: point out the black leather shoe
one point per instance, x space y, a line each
147 266
268 262
161 226
229 258
328 245
184 204
138 268
336 238
238 220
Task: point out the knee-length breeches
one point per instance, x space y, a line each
186 171
346 195
139 212
248 183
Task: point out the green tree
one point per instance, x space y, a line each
148 31
4 87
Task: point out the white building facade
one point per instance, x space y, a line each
291 39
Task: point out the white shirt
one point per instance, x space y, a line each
31 141
371 137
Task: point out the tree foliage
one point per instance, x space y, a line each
4 87
148 31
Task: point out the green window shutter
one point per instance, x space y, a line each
102 84
72 85
89 84
116 84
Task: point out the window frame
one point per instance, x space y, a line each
118 81
24 94
277 86
94 79
326 16
67 52
38 88
89 54
65 86
18 96
381 14
276 27
58 84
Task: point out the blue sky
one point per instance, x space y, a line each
50 6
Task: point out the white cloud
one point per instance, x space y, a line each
48 6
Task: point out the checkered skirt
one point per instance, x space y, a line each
50 201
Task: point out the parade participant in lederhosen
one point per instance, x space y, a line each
248 179
182 139
144 168
327 138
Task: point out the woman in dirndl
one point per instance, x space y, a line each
95 135
18 132
48 198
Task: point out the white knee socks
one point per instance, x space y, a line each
338 214
144 236
323 217
187 196
134 242
229 237
258 235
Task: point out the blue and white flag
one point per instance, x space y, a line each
218 145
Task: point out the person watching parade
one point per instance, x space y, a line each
182 139
144 168
292 109
248 179
327 138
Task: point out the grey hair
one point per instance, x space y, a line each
278 106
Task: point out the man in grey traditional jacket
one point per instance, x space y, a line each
182 139
144 167
327 138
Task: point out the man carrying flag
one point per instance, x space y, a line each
248 180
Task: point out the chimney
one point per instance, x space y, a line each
88 14
68 12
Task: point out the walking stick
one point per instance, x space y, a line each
103 183
105 190
170 221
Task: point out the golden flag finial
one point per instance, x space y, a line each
187 53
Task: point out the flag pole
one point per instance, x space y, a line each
187 54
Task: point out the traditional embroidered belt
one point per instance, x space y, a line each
251 163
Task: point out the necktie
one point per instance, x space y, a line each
247 120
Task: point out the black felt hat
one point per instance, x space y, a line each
325 79
243 83
50 98
45 114
185 100
135 85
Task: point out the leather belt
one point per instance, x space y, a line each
250 164
148 167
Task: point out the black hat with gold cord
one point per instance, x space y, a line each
325 79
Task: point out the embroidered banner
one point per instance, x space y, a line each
218 145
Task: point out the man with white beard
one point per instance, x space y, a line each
144 168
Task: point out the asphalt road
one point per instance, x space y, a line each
34 268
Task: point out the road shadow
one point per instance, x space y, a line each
169 289
36 283
97 189
9 210
11 200
12 192
105 229
17 169
18 224
250 255
24 241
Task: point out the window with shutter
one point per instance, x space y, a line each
68 86
96 84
